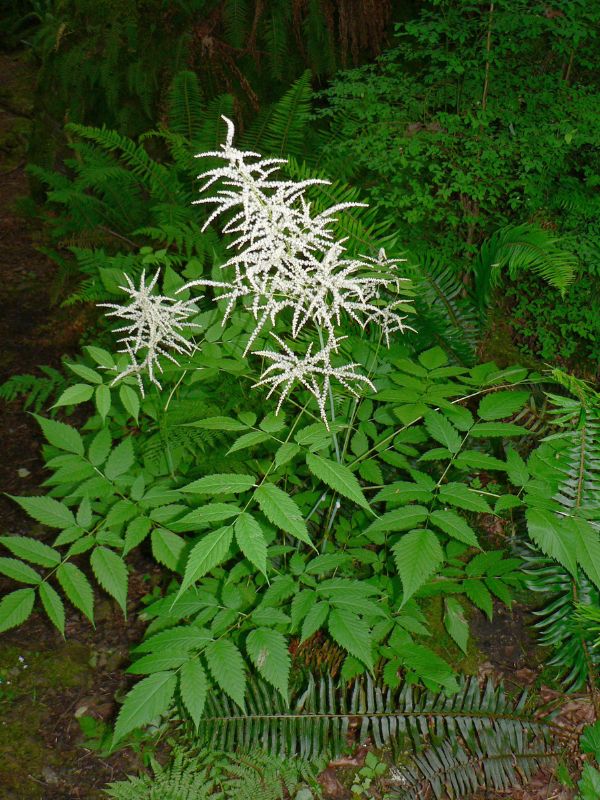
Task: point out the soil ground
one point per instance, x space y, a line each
51 689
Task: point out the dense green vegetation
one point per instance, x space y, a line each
347 401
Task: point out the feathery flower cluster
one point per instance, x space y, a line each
288 369
288 260
156 322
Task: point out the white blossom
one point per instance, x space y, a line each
314 372
155 329
286 260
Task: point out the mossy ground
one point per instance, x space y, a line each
33 685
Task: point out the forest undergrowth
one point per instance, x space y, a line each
302 468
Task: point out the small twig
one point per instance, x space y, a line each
570 65
488 47
130 242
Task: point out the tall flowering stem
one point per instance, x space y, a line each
286 261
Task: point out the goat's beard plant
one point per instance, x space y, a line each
289 272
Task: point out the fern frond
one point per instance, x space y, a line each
558 627
319 37
186 107
451 771
175 439
159 180
182 779
571 463
518 248
35 389
321 717
275 26
443 314
187 237
235 22
195 775
282 129
180 149
567 465
213 130
98 267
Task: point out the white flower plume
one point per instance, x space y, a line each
314 372
286 261
154 329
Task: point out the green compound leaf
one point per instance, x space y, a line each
89 375
147 700
18 571
193 689
205 515
456 624
208 553
443 431
131 401
486 430
77 588
53 605
100 447
31 550
552 537
285 453
315 619
301 605
73 395
403 492
280 509
167 548
120 460
218 424
589 783
400 519
48 511
517 471
455 526
351 633
587 546
473 459
417 555
103 400
111 573
337 477
251 541
156 662
501 404
100 356
227 668
459 495
249 439
60 435
15 608
227 483
268 651
137 530
479 595
428 665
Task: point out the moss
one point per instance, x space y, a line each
498 342
444 645
28 703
